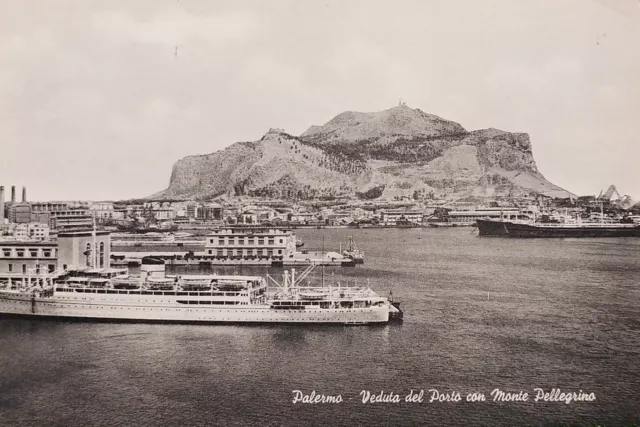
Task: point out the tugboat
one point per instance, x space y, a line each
353 252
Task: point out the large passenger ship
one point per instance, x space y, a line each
112 294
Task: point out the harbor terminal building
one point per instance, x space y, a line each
251 243
76 249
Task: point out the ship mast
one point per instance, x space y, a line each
322 261
95 243
601 213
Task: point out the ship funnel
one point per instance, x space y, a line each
152 267
24 194
13 194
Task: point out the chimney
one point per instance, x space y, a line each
13 194
24 194
1 204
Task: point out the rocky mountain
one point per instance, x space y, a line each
384 155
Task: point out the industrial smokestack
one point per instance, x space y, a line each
13 194
24 194
1 204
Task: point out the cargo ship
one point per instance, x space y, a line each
153 297
524 229
492 227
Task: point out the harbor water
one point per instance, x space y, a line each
479 314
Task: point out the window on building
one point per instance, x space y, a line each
52 268
272 242
252 241
7 253
20 253
10 268
34 253
24 268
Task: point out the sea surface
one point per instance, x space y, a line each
480 314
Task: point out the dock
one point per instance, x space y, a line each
299 259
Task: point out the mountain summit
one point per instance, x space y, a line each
392 153
398 121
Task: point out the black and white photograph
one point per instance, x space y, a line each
319 213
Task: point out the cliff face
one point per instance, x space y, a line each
396 152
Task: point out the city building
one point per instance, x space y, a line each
192 210
24 258
27 259
73 219
251 242
19 213
248 217
84 249
469 217
31 231
105 211
303 217
163 214
210 212
400 217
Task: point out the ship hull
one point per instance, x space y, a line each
167 312
491 228
533 231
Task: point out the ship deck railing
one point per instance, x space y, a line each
584 224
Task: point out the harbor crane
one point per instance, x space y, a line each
608 195
620 201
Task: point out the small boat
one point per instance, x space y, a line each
353 252
126 283
313 294
160 284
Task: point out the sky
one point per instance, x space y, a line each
98 99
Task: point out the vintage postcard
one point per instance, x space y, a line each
319 213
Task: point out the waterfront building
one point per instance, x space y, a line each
84 248
340 218
401 216
251 242
22 258
30 258
469 217
303 217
